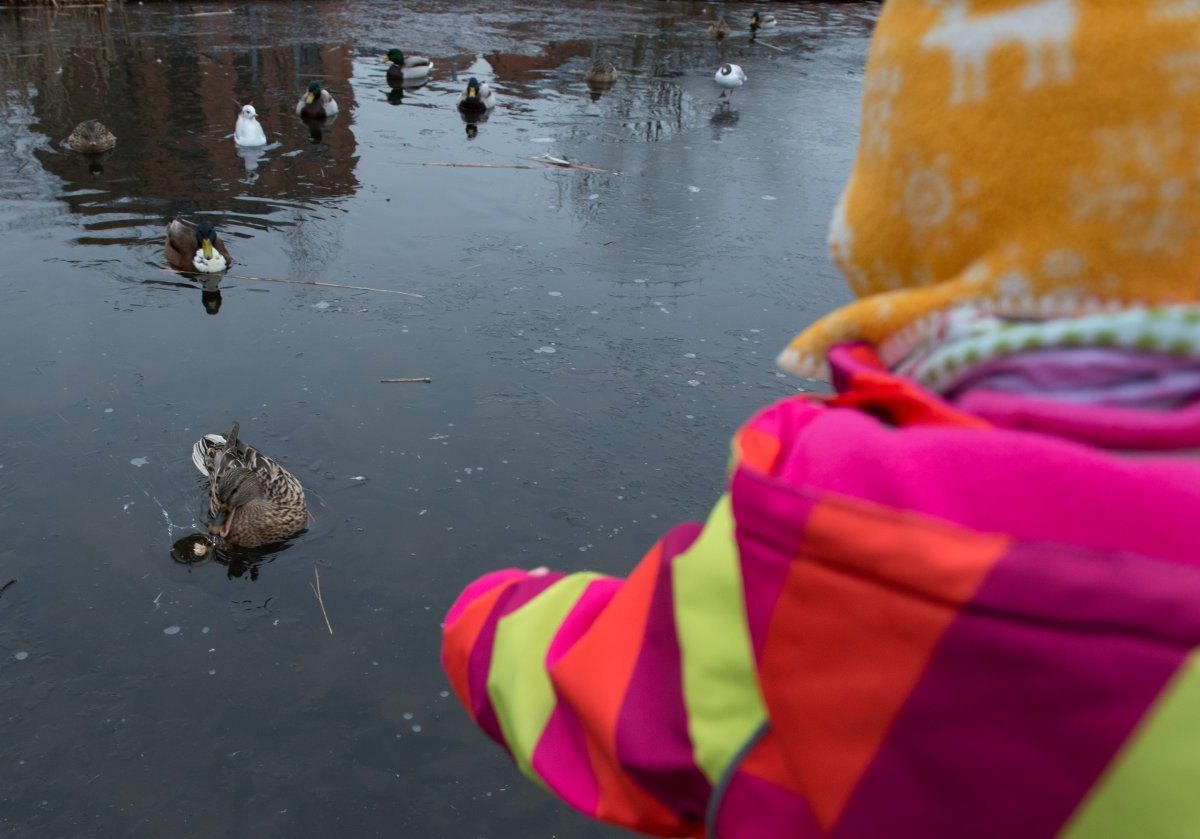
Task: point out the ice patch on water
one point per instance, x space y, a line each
769 198
542 140
546 350
555 293
21 656
174 629
140 461
693 188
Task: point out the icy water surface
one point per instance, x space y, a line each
593 337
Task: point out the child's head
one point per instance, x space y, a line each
1035 158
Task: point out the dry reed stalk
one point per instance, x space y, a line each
320 601
423 379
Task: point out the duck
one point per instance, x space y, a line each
760 21
719 30
406 69
196 248
477 97
601 73
316 103
252 499
91 137
730 77
248 132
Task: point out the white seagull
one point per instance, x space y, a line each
248 132
730 77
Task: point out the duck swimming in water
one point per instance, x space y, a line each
248 132
406 69
316 103
252 500
601 74
91 137
760 21
196 248
477 97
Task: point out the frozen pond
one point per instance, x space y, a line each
593 337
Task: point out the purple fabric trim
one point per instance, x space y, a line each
1089 375
1108 427
1029 696
653 744
480 662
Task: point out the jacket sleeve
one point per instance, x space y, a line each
587 681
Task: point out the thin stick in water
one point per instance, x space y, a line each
317 591
324 284
424 379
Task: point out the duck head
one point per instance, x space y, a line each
314 92
473 88
236 488
394 57
206 235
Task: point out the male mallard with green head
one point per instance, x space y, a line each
316 103
91 137
196 248
252 500
477 97
406 69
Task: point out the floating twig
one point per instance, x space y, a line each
7 586
317 591
423 379
324 284
765 44
210 14
566 164
475 165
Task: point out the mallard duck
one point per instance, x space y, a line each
248 132
410 69
719 30
600 74
316 103
477 97
252 499
730 77
758 21
196 248
91 137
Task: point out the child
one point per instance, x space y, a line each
961 596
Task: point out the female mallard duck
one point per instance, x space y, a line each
196 248
600 74
316 103
477 97
719 31
91 137
248 132
758 21
252 499
406 70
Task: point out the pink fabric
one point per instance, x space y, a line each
986 480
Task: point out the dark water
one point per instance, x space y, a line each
593 338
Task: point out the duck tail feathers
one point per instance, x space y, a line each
204 449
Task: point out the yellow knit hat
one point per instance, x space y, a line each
1031 158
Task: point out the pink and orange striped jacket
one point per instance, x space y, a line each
897 621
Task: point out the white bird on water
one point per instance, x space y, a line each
248 132
730 77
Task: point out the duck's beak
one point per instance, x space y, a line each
220 525
308 98
386 60
206 246
472 92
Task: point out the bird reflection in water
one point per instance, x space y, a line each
252 155
472 120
